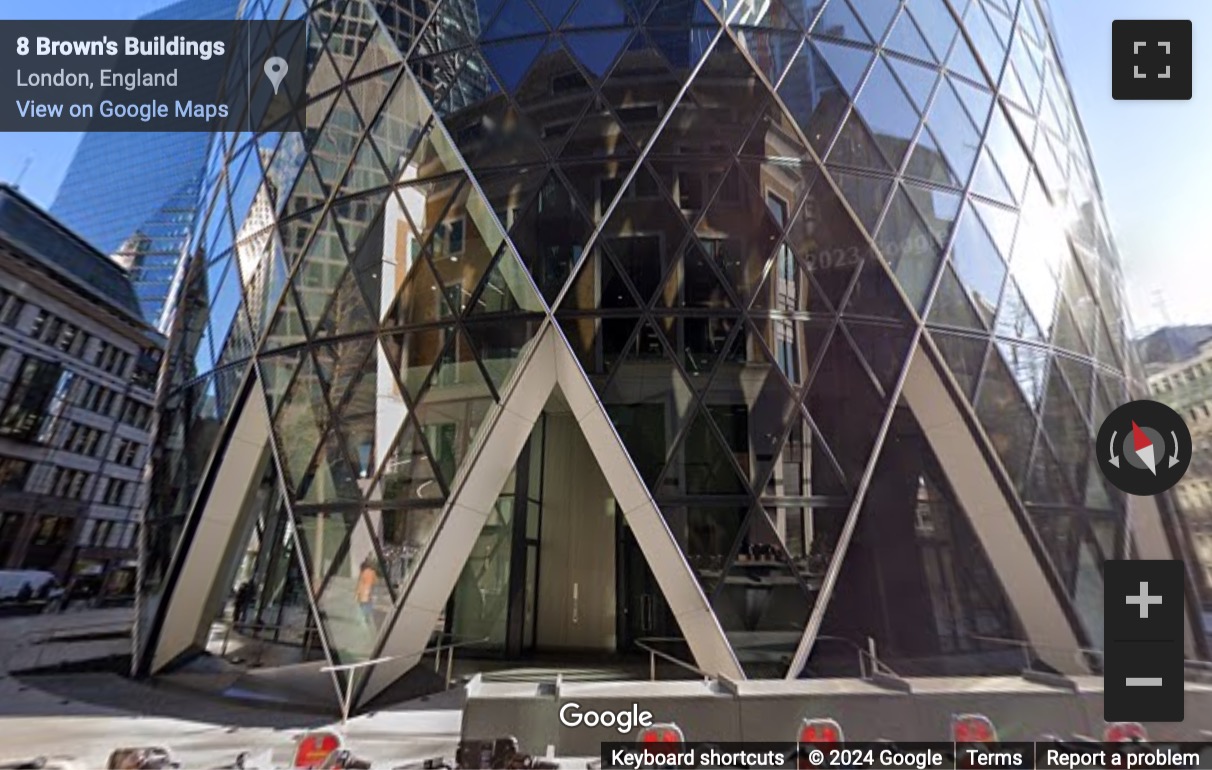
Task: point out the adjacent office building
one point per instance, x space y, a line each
77 383
1186 386
766 332
135 196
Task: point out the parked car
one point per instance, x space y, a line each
33 589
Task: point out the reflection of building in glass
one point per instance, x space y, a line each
77 378
773 337
1186 386
135 196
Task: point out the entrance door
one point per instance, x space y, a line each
643 611
576 591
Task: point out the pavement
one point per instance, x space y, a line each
87 715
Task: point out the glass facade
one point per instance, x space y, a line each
135 196
742 218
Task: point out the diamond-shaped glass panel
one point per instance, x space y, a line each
347 574
341 363
951 127
1006 417
759 403
770 49
704 463
693 283
550 237
964 356
330 478
846 407
706 536
909 248
649 403
865 194
762 599
501 345
978 265
408 475
906 38
813 96
839 20
300 420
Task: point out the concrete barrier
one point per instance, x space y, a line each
773 710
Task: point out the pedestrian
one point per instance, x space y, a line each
365 590
244 600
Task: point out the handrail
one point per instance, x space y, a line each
654 653
1092 654
347 699
255 627
866 657
450 648
870 666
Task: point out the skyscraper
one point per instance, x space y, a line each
778 328
135 196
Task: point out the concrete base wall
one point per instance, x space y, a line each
773 711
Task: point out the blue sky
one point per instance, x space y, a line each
1154 159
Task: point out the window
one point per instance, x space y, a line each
79 344
10 530
562 84
448 238
455 239
86 532
129 533
126 453
67 337
118 364
68 483
52 530
91 443
32 390
13 473
51 331
39 325
101 533
115 492
76 485
147 366
690 190
11 311
105 401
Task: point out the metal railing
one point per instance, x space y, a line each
447 643
455 643
870 667
256 628
646 644
352 668
1088 657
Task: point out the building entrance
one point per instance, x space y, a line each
544 575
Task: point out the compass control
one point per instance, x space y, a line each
1144 447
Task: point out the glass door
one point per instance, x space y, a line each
642 610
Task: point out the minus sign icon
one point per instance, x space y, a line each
1143 681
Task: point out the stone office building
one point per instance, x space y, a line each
77 383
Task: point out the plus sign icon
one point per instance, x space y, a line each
1143 627
1151 59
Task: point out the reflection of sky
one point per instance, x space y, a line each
1153 158
1158 208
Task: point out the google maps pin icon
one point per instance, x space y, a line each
276 69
